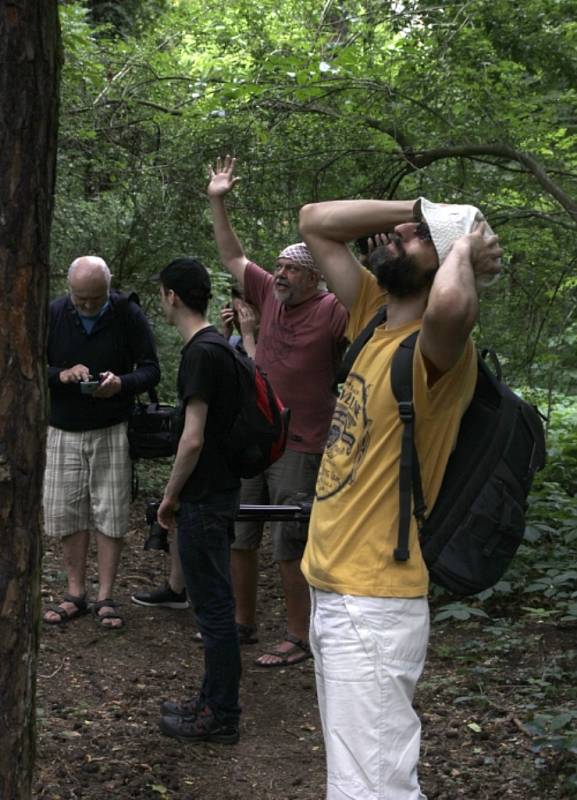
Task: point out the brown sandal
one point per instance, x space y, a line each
300 649
108 602
66 616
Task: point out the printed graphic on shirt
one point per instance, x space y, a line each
348 439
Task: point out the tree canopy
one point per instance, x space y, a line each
458 101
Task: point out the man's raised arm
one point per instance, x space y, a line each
222 181
453 303
326 227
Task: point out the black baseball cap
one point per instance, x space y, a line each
187 277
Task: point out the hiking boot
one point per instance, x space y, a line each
204 727
165 597
187 708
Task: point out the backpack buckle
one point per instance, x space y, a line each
406 411
401 554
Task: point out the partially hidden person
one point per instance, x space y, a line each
239 316
301 338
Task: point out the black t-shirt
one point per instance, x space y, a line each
207 371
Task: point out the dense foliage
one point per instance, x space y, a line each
460 101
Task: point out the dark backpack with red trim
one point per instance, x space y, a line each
258 435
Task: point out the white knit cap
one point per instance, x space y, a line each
300 254
447 223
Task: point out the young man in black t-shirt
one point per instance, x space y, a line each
201 500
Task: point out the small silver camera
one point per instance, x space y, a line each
89 387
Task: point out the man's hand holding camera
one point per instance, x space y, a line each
110 384
75 374
227 320
106 386
246 320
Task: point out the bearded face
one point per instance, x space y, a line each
293 283
399 273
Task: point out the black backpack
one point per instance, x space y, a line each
258 435
478 521
470 536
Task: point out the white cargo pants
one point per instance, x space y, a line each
369 654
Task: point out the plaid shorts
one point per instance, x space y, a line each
87 481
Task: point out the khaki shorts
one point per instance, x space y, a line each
87 482
288 480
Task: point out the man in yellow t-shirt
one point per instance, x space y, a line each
370 619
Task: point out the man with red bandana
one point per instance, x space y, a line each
300 342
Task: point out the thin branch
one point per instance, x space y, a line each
426 157
56 671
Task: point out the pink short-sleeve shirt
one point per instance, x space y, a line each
299 347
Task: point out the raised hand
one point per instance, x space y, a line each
485 254
222 179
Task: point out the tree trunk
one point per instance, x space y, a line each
29 74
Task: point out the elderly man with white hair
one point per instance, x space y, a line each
300 342
101 354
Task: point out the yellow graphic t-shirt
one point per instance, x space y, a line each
355 517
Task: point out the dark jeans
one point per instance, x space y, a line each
205 532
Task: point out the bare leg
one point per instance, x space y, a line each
244 570
297 596
296 592
176 578
109 551
74 552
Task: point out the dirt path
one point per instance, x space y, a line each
98 698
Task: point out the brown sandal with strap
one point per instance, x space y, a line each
300 651
64 616
107 603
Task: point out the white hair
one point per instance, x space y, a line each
95 262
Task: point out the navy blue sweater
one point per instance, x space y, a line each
120 342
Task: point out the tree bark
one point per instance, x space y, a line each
29 75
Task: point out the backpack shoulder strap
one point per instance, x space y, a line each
213 337
409 469
121 301
357 345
